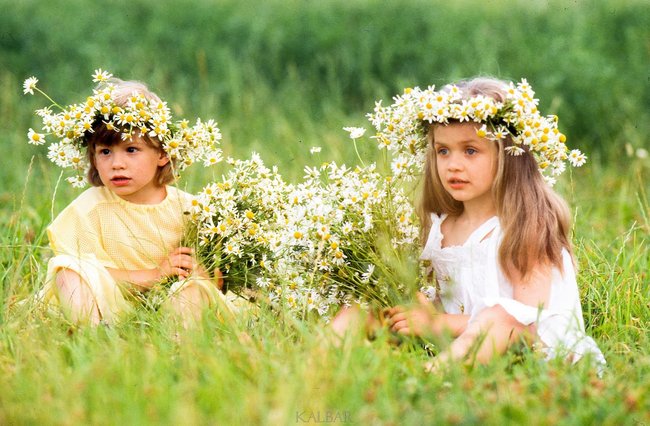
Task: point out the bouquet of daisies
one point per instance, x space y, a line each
310 247
234 222
342 225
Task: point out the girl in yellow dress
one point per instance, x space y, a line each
122 236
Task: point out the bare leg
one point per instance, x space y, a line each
344 320
491 333
75 298
188 304
352 320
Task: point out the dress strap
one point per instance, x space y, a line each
483 231
434 238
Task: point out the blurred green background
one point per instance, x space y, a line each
283 76
280 76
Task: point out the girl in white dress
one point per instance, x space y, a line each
497 237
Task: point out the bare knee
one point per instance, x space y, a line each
75 297
193 295
345 319
496 316
189 304
495 320
66 278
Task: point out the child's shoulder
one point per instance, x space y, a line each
89 199
82 206
175 194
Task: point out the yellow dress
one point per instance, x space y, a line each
100 230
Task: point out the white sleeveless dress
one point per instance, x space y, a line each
470 280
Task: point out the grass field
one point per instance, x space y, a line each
281 77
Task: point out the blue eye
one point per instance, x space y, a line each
471 151
443 151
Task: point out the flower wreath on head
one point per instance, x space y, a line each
72 125
402 126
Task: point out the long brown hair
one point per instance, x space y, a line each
534 219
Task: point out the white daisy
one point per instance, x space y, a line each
29 85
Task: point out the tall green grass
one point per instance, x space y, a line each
281 77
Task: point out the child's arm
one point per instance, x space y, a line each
180 263
423 320
535 289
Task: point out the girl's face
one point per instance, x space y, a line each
129 169
466 163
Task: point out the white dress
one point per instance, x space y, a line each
470 280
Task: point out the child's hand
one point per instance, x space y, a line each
415 320
180 263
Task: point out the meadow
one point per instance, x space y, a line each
281 77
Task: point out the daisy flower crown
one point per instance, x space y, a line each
72 125
402 127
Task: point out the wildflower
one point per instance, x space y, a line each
355 132
347 228
212 158
29 85
100 76
77 181
430 292
365 277
35 138
312 173
297 243
576 158
314 150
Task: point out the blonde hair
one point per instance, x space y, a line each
535 220
108 137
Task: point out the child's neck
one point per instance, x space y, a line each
477 214
149 197
457 229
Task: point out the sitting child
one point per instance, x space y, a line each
121 238
497 235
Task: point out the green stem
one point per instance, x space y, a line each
354 141
48 98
